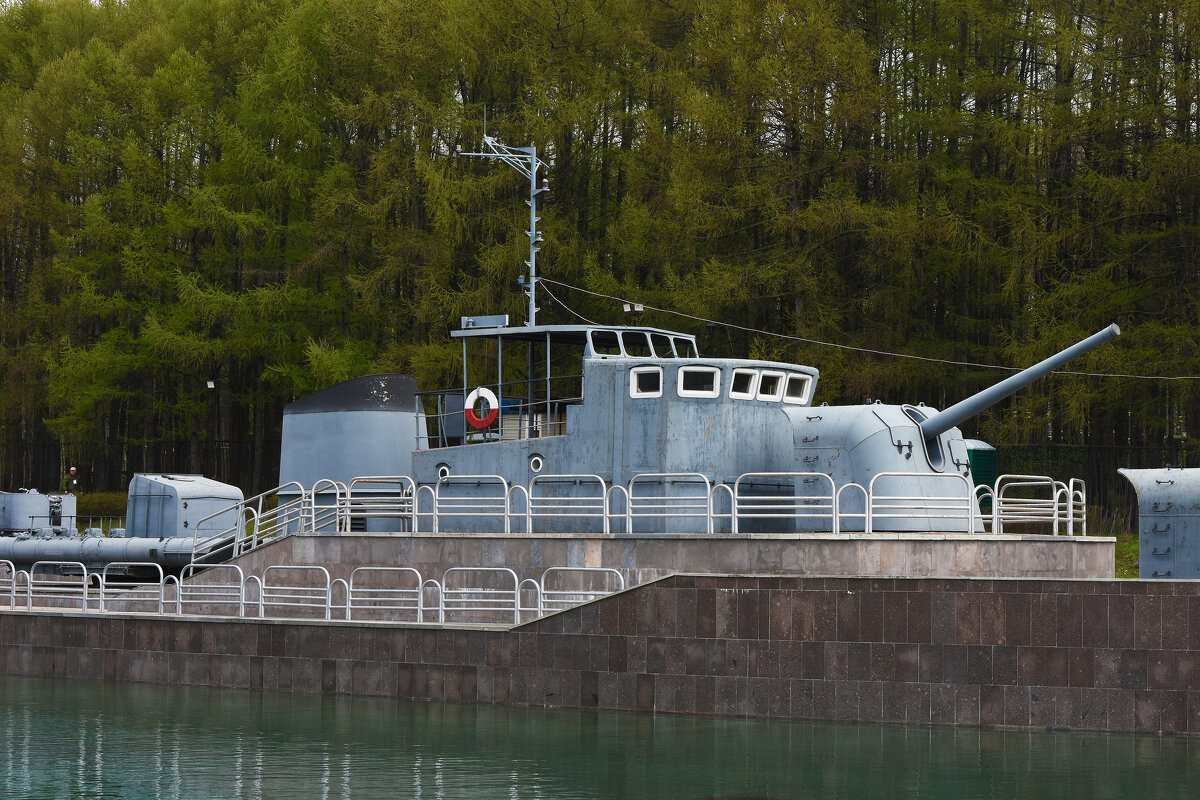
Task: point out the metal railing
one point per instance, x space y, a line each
201 589
464 595
956 504
695 504
448 505
130 591
1039 501
752 498
549 599
42 584
563 506
390 497
762 501
395 599
311 595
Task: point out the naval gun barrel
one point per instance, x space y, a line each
939 422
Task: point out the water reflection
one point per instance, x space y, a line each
83 739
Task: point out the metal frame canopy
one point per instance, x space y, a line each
580 336
562 334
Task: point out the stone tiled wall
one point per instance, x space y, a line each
1117 655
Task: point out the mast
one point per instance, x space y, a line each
525 161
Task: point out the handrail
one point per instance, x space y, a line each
619 507
333 584
990 520
614 514
10 582
511 513
401 504
207 594
257 582
569 506
1064 503
902 506
479 506
319 513
251 516
565 598
388 598
794 506
289 596
134 590
866 512
731 515
1078 505
169 579
65 589
536 608
480 599
430 493
669 506
16 581
432 583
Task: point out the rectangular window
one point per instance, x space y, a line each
770 386
699 382
645 382
743 384
605 343
684 348
797 389
662 345
636 344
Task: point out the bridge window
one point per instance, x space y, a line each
685 348
699 382
636 344
743 384
645 382
662 345
770 386
605 343
797 389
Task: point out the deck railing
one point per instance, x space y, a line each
464 595
787 502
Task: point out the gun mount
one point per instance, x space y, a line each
941 421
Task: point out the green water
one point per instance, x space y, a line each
88 739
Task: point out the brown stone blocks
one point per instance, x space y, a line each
920 623
1056 654
803 606
991 619
779 617
1042 666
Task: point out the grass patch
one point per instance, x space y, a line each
1118 523
100 504
1127 555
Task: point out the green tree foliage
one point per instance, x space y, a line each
264 194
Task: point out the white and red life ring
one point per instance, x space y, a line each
489 397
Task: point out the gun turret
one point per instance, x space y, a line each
939 422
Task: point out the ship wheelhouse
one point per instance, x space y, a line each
523 382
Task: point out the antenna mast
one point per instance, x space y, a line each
525 161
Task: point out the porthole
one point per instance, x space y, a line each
770 386
743 384
536 463
699 382
645 382
443 471
797 389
